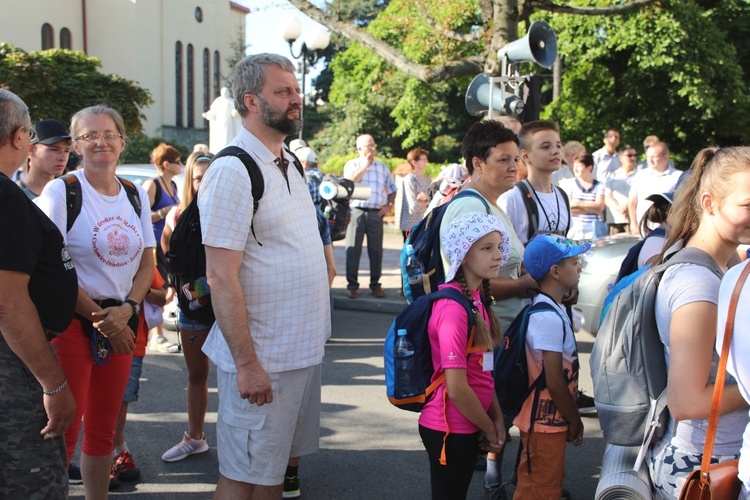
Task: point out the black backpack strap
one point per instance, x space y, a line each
157 193
132 193
532 212
73 200
567 206
473 194
256 177
297 163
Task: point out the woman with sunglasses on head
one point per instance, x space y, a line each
192 333
111 247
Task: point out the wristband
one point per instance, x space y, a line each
52 393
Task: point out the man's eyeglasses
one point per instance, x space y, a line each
369 146
96 137
632 155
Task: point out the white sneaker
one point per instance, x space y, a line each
188 446
160 343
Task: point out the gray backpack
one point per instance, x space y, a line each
628 368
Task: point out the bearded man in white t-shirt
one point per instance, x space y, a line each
269 288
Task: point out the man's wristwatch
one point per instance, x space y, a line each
390 203
135 305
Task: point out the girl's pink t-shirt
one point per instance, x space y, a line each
448 332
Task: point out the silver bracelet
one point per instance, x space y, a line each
62 386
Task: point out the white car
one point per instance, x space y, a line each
138 173
601 264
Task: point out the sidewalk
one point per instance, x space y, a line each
393 302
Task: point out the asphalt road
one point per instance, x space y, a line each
368 449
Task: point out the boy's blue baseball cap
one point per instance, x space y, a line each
547 250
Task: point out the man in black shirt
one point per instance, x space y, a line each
38 291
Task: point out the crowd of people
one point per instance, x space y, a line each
86 254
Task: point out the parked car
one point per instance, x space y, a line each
600 267
138 173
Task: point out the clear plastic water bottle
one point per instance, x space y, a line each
413 267
405 365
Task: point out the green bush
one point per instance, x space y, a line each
140 147
335 164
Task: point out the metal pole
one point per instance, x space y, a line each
304 70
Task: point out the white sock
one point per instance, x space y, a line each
122 447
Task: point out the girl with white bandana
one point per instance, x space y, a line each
464 413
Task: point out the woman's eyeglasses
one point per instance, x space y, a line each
96 137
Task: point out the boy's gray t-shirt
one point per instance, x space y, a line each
684 284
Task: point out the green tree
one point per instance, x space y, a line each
668 68
677 77
57 83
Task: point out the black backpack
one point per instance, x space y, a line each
186 258
532 212
338 212
74 200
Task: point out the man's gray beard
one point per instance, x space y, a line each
278 121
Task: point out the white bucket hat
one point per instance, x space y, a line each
464 231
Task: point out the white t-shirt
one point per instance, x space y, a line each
605 164
684 284
107 239
647 182
739 352
284 280
553 213
618 186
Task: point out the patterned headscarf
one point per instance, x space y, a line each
464 231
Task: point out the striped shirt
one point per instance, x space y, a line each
378 177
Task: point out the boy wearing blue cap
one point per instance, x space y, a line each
549 417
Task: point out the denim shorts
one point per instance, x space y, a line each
131 391
185 323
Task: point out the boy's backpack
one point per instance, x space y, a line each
425 239
532 211
630 262
414 320
74 200
628 368
511 369
186 258
337 212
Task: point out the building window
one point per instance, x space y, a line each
199 14
48 36
206 83
178 84
217 74
190 87
66 39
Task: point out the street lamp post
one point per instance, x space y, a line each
311 50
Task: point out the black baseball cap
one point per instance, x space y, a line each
49 131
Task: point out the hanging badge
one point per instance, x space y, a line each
487 361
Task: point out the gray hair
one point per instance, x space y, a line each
248 78
75 120
13 114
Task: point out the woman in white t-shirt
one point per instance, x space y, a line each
739 353
112 248
710 215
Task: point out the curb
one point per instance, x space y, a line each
392 303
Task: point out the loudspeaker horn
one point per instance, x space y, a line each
539 46
478 96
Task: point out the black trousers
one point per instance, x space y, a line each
450 481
